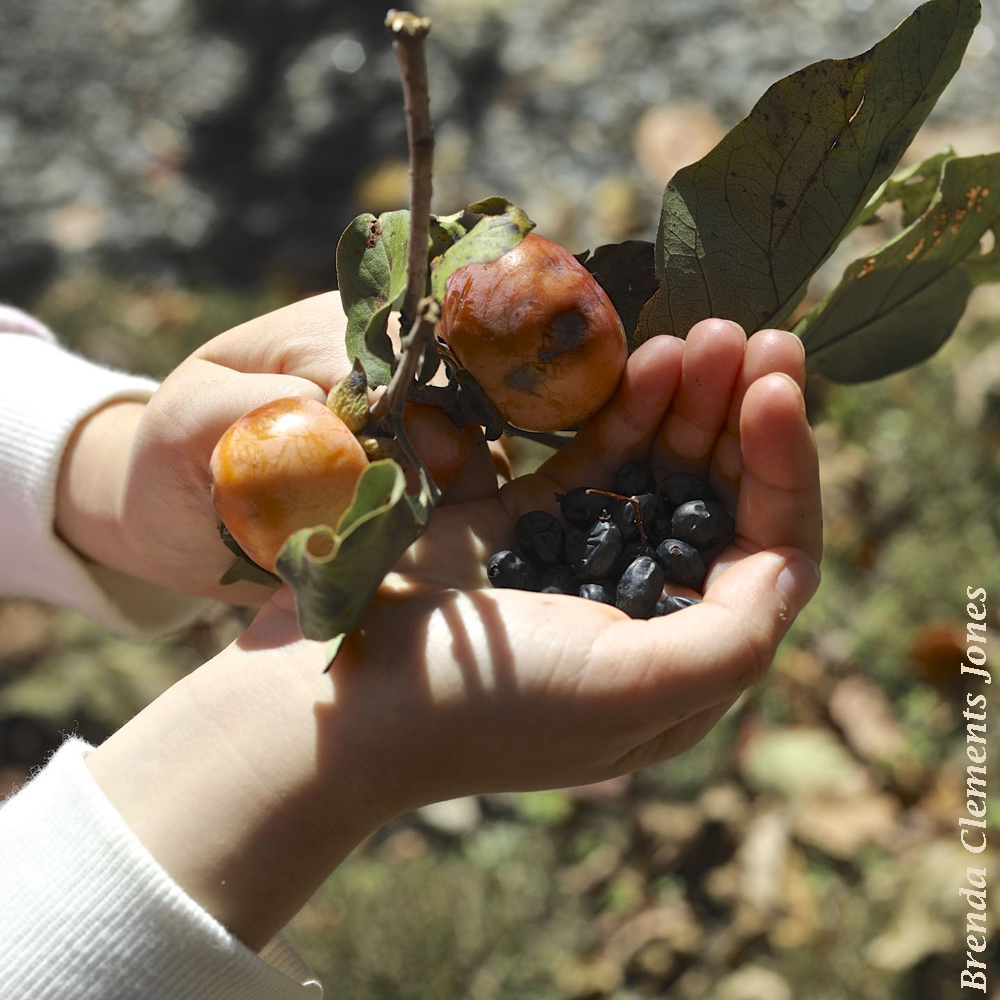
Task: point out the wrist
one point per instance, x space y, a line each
91 484
247 782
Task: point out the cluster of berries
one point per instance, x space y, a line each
620 546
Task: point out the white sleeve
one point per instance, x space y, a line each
86 912
45 391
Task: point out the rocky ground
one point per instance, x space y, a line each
211 142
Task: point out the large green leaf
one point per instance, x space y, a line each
743 229
335 572
898 305
502 227
371 276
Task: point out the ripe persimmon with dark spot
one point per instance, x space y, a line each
537 332
287 465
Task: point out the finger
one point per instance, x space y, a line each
713 355
621 430
478 477
501 461
766 351
305 339
779 498
674 667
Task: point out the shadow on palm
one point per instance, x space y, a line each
480 689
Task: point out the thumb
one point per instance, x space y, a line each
761 595
710 653
225 395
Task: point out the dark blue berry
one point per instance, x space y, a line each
680 487
704 524
624 515
630 553
598 592
634 478
540 537
559 580
668 605
508 569
592 555
660 526
681 562
639 588
582 508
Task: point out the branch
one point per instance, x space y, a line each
392 401
411 348
408 33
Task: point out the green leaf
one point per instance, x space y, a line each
897 306
502 227
444 230
335 573
743 229
626 272
371 275
914 188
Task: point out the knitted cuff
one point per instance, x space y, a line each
44 394
89 913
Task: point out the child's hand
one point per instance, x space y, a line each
134 491
450 687
473 689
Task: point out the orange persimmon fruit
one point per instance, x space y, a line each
537 332
287 465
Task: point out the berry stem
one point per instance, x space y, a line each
635 507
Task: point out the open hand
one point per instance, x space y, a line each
463 688
450 687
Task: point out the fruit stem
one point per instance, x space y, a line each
635 506
542 437
408 35
392 401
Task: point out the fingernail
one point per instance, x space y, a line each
797 582
795 387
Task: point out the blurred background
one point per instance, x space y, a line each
169 168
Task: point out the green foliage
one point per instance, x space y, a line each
371 269
914 189
481 922
335 573
371 275
502 227
743 229
898 305
549 808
